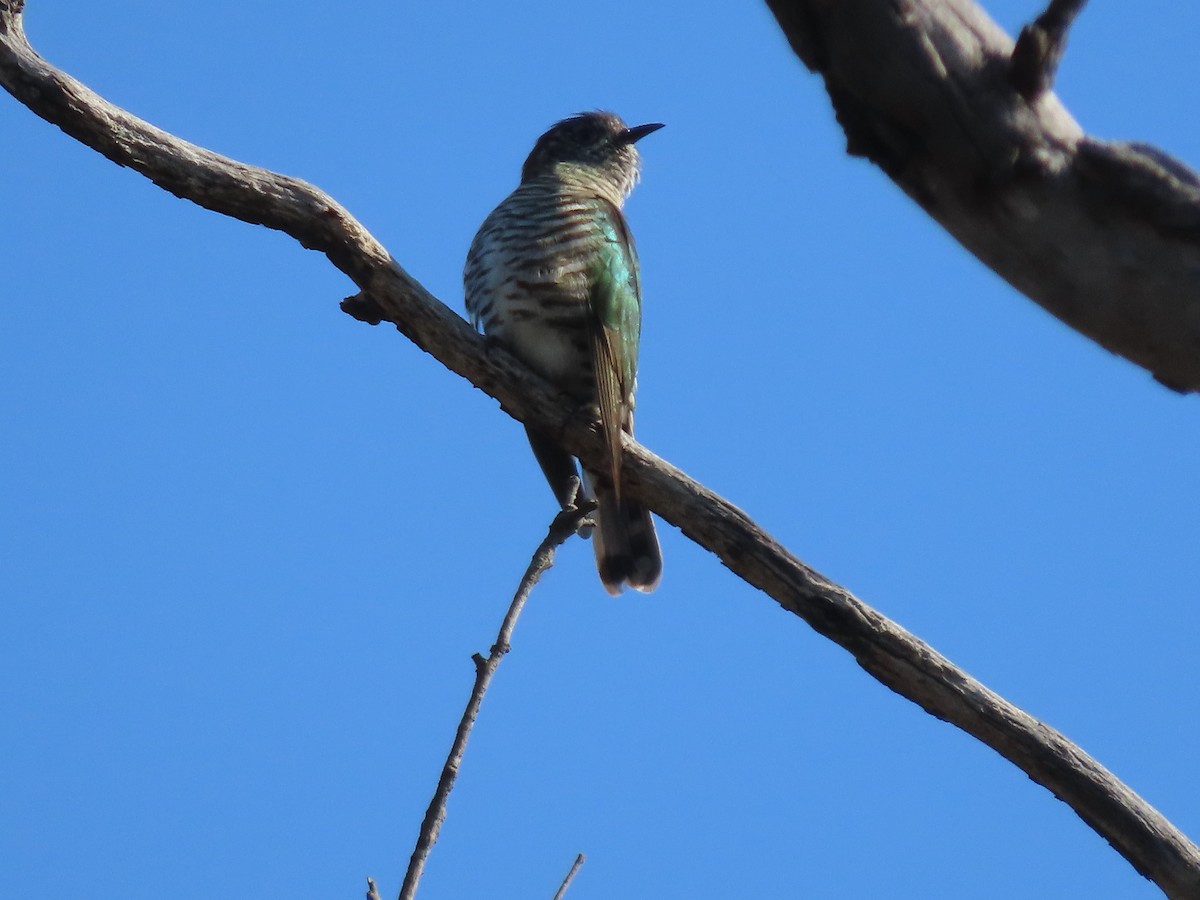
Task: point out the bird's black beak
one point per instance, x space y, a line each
637 132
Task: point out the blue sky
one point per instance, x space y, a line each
250 544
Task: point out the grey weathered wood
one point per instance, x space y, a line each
899 660
1104 235
1040 47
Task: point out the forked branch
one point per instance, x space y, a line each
1104 235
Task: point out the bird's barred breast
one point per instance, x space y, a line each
527 284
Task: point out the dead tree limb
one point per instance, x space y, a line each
1040 48
1103 235
896 658
566 882
565 524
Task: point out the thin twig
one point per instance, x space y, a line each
372 890
565 524
566 882
1040 48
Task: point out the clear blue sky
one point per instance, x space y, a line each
249 544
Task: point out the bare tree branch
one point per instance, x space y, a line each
1105 236
1040 48
372 890
566 882
565 524
896 658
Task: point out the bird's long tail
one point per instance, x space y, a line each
625 543
624 540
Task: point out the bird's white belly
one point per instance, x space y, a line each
544 348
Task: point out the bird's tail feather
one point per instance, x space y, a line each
625 543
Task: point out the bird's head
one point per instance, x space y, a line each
590 144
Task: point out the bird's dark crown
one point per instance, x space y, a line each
597 139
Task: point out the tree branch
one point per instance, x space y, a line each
1040 47
565 524
896 658
1105 236
566 882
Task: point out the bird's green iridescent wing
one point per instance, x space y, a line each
616 304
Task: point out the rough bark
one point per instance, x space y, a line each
1104 235
899 660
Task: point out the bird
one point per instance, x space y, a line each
552 275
